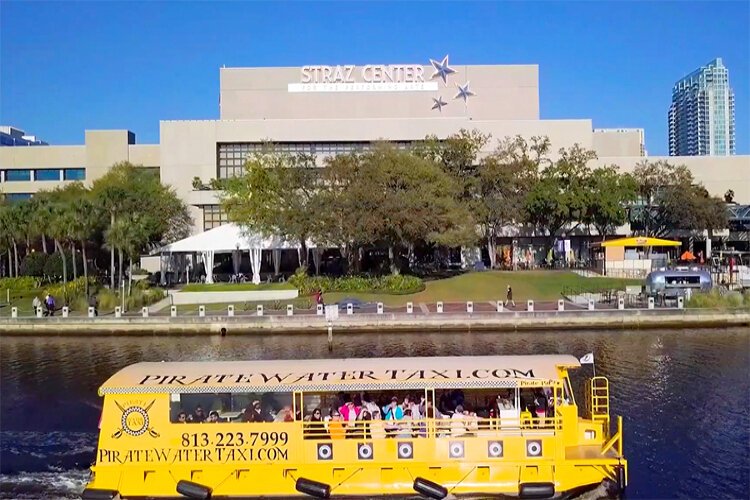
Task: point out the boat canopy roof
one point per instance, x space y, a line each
339 374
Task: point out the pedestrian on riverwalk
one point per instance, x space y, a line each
509 297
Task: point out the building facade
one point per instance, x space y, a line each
325 110
701 117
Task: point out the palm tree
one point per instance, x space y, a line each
86 223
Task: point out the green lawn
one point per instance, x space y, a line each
474 286
234 287
490 286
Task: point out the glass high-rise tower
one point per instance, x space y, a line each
701 117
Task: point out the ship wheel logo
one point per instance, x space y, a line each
135 421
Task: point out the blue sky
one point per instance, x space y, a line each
66 67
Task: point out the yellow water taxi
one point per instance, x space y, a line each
461 426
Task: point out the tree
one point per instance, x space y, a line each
670 199
559 196
404 198
610 192
457 154
125 190
276 196
505 178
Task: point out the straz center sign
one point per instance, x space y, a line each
369 78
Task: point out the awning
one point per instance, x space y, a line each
640 241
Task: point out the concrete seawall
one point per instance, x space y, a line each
366 322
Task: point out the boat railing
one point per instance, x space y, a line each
521 424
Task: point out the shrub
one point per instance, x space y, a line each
33 264
716 300
393 284
20 283
71 290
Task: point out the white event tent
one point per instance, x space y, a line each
231 238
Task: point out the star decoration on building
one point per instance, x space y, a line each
439 103
442 69
464 92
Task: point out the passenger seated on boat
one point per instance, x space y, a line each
458 427
254 413
377 429
540 402
504 401
368 403
361 427
350 411
335 426
182 417
316 428
198 416
392 414
405 428
213 417
284 415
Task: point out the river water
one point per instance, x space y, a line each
684 395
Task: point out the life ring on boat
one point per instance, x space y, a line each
456 449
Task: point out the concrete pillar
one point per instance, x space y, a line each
259 310
440 307
38 312
118 311
620 303
65 312
290 309
409 308
144 312
349 309
680 302
470 307
591 305
650 302
230 310
499 306
708 249
530 305
560 305
172 311
91 312
13 312
202 311
319 310
380 308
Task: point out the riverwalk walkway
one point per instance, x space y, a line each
486 316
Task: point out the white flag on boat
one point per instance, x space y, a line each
588 359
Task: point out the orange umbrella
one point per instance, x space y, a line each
687 256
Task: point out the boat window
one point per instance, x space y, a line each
376 403
231 407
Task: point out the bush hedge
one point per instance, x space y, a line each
20 283
392 284
716 300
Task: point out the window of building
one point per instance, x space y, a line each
47 174
213 216
74 174
18 175
16 197
231 158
